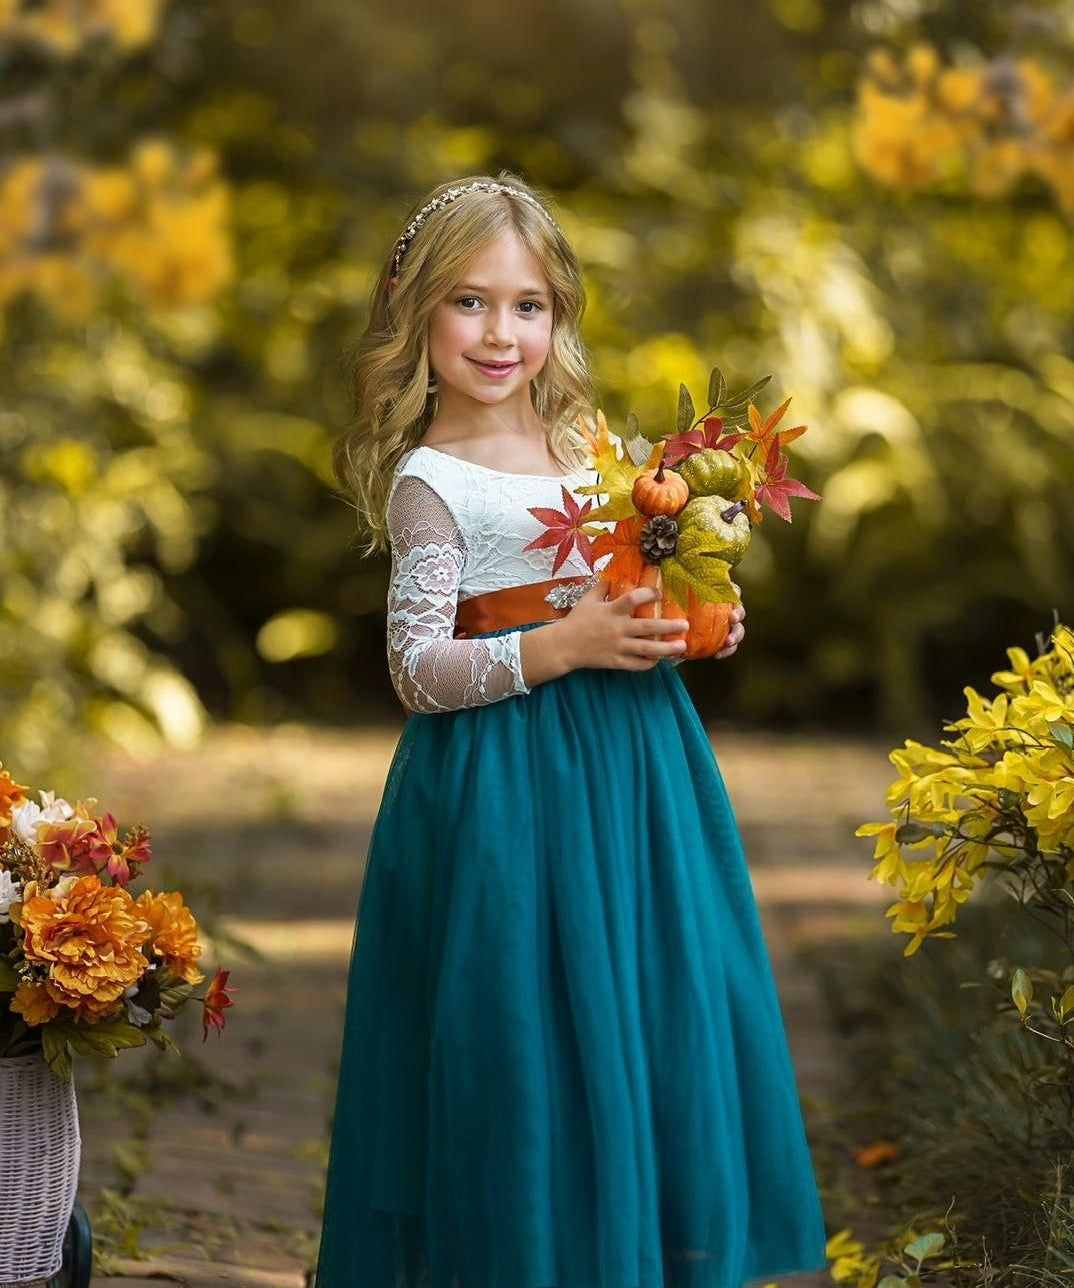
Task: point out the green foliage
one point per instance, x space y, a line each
978 1107
118 1222
63 1038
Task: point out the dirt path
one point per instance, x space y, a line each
278 823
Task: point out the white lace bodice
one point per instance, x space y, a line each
457 530
490 509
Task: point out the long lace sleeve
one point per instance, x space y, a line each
430 669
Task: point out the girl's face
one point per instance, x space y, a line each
499 312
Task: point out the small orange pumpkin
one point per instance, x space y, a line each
710 623
659 491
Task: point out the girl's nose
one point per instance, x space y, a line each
499 329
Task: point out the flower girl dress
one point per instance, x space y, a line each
564 1063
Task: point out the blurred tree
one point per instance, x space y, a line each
172 543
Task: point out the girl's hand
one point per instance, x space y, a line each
737 632
599 631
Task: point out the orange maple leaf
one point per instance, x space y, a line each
762 432
626 562
594 446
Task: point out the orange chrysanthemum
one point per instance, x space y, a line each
174 938
33 1003
89 935
11 794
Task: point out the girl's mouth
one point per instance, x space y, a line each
494 370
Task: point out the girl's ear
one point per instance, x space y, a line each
393 282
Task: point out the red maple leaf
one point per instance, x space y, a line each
681 446
564 529
777 489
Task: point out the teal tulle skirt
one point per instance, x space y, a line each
564 1061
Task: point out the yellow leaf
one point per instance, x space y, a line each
617 475
709 578
1021 990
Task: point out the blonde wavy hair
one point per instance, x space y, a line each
392 405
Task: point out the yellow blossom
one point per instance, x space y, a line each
1048 704
32 1001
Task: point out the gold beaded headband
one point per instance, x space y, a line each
446 198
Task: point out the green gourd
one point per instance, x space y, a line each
701 523
715 472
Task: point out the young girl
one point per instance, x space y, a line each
564 1063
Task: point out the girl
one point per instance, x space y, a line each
564 1063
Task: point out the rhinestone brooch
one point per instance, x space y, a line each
567 595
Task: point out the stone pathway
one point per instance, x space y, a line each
275 824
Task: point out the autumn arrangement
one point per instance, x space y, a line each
84 965
683 507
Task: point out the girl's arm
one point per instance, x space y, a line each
430 669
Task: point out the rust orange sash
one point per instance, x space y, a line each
511 606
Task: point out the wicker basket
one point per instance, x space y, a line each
40 1150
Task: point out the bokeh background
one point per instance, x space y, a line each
872 200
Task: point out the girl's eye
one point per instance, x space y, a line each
464 298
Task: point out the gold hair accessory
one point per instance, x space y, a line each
449 196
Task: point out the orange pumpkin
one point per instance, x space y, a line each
659 491
709 622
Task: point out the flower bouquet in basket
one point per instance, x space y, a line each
84 965
87 968
683 507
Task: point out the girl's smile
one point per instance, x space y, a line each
495 370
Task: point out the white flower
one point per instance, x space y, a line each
62 887
137 1015
26 817
9 894
55 806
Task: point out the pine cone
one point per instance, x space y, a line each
659 538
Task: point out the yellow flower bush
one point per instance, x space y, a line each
997 795
160 224
1003 787
987 124
64 28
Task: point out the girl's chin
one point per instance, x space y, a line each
474 380
483 391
